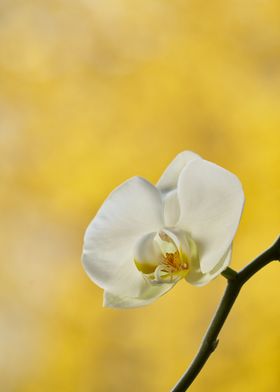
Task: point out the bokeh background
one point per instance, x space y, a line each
93 92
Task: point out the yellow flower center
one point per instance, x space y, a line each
168 262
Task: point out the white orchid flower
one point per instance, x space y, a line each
146 238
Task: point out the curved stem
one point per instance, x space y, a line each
235 282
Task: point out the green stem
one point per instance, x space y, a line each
235 282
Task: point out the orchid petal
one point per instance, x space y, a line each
130 211
211 201
171 209
197 278
168 180
149 294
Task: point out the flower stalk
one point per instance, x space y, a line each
236 280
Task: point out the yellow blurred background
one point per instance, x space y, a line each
93 92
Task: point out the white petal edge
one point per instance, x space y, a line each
198 278
130 211
211 201
168 180
150 294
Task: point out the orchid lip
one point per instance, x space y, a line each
167 256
